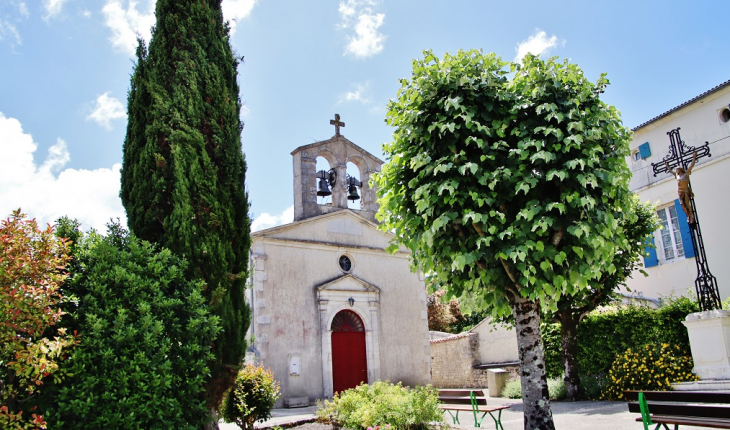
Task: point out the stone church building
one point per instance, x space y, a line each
331 308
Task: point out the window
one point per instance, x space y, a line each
724 114
673 241
345 264
671 245
641 153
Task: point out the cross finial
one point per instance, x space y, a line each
337 123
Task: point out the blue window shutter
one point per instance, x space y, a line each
650 258
689 251
644 150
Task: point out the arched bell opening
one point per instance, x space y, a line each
326 179
353 186
349 352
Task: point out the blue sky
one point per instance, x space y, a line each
65 68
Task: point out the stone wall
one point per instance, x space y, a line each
452 361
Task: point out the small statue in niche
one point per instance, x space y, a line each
683 188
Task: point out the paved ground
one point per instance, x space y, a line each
567 416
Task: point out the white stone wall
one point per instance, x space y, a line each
497 343
699 122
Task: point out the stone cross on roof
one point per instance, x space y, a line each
337 123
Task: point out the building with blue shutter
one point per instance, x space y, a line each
670 265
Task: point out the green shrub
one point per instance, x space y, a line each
382 405
592 386
252 397
512 389
146 336
604 335
651 367
556 389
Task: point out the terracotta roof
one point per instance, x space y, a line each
456 336
706 93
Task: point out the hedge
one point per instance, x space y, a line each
604 335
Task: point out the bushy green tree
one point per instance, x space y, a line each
146 336
252 397
183 168
507 189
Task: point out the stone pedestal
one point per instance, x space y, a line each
496 379
709 338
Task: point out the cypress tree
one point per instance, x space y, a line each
183 168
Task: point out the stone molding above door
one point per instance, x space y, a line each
334 296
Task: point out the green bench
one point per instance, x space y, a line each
474 401
689 408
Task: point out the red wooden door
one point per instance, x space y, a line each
349 358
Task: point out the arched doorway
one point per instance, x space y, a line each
349 358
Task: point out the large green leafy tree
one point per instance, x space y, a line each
183 168
507 189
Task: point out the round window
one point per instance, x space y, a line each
725 115
345 263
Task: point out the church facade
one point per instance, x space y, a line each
331 308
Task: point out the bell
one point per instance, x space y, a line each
324 189
352 193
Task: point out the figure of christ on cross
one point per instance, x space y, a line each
337 123
683 188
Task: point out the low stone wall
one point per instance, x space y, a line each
452 361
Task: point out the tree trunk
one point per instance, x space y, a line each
569 344
535 397
213 423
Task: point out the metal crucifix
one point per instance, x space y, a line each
679 162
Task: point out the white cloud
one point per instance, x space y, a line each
359 94
10 33
23 9
266 220
125 24
233 10
537 44
49 191
245 111
107 109
53 8
86 13
359 16
8 21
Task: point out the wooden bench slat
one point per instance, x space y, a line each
688 421
462 400
455 407
460 393
681 396
686 410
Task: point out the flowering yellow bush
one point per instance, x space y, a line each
650 367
